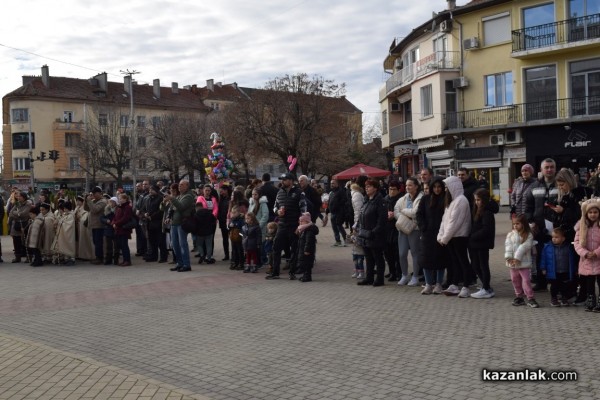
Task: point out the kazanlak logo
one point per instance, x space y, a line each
576 138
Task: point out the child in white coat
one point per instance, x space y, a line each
517 253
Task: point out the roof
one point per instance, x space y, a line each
73 89
227 92
339 104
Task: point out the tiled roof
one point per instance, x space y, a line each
228 92
82 90
340 104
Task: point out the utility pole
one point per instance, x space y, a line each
31 158
133 131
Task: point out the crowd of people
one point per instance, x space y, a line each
446 224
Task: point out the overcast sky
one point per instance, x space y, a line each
190 41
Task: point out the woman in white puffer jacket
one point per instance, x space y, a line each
454 232
408 206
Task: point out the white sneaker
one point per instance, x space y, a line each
452 290
403 281
427 290
355 274
464 292
483 294
361 275
414 281
437 289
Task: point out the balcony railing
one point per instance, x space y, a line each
436 61
68 126
401 132
567 31
523 113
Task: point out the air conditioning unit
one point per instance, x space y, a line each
513 137
459 83
446 26
395 107
496 140
471 43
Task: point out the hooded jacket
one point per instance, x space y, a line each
587 239
456 221
483 230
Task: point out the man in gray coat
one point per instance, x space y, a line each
95 204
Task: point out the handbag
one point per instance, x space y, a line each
405 224
131 224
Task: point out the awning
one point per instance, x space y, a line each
445 162
482 164
436 155
426 144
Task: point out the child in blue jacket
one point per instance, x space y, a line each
559 266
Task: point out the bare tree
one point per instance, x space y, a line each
106 145
293 115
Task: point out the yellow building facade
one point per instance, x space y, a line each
525 87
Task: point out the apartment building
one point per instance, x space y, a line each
53 111
493 84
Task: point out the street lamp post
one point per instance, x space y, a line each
133 132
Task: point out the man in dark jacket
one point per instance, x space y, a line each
337 208
269 190
391 233
289 205
313 200
542 193
153 218
470 185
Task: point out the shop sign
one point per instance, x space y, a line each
577 138
405 150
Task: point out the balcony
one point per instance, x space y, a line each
401 132
439 60
524 114
68 126
554 36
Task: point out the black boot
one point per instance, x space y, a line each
597 307
590 304
16 260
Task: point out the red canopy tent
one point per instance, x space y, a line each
361 169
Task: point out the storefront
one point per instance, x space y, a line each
440 162
406 160
573 146
483 163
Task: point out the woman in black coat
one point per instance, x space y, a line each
432 255
391 234
371 233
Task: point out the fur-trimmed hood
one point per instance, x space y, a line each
583 226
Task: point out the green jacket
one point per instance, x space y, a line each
184 205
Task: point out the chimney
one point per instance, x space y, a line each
156 88
102 81
127 83
235 86
174 88
210 85
219 84
46 76
451 4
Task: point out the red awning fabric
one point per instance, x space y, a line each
361 169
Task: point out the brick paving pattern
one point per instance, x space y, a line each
220 334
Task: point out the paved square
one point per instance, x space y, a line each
143 332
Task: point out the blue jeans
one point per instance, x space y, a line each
433 276
122 242
180 246
412 242
337 228
98 239
207 240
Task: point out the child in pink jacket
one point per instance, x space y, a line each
587 245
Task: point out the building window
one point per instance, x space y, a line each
496 29
20 115
585 87
155 122
384 122
538 24
540 93
157 164
141 141
74 163
580 8
103 119
22 164
125 142
127 164
214 106
451 96
426 101
71 139
141 122
21 141
103 140
499 89
142 164
67 116
124 121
